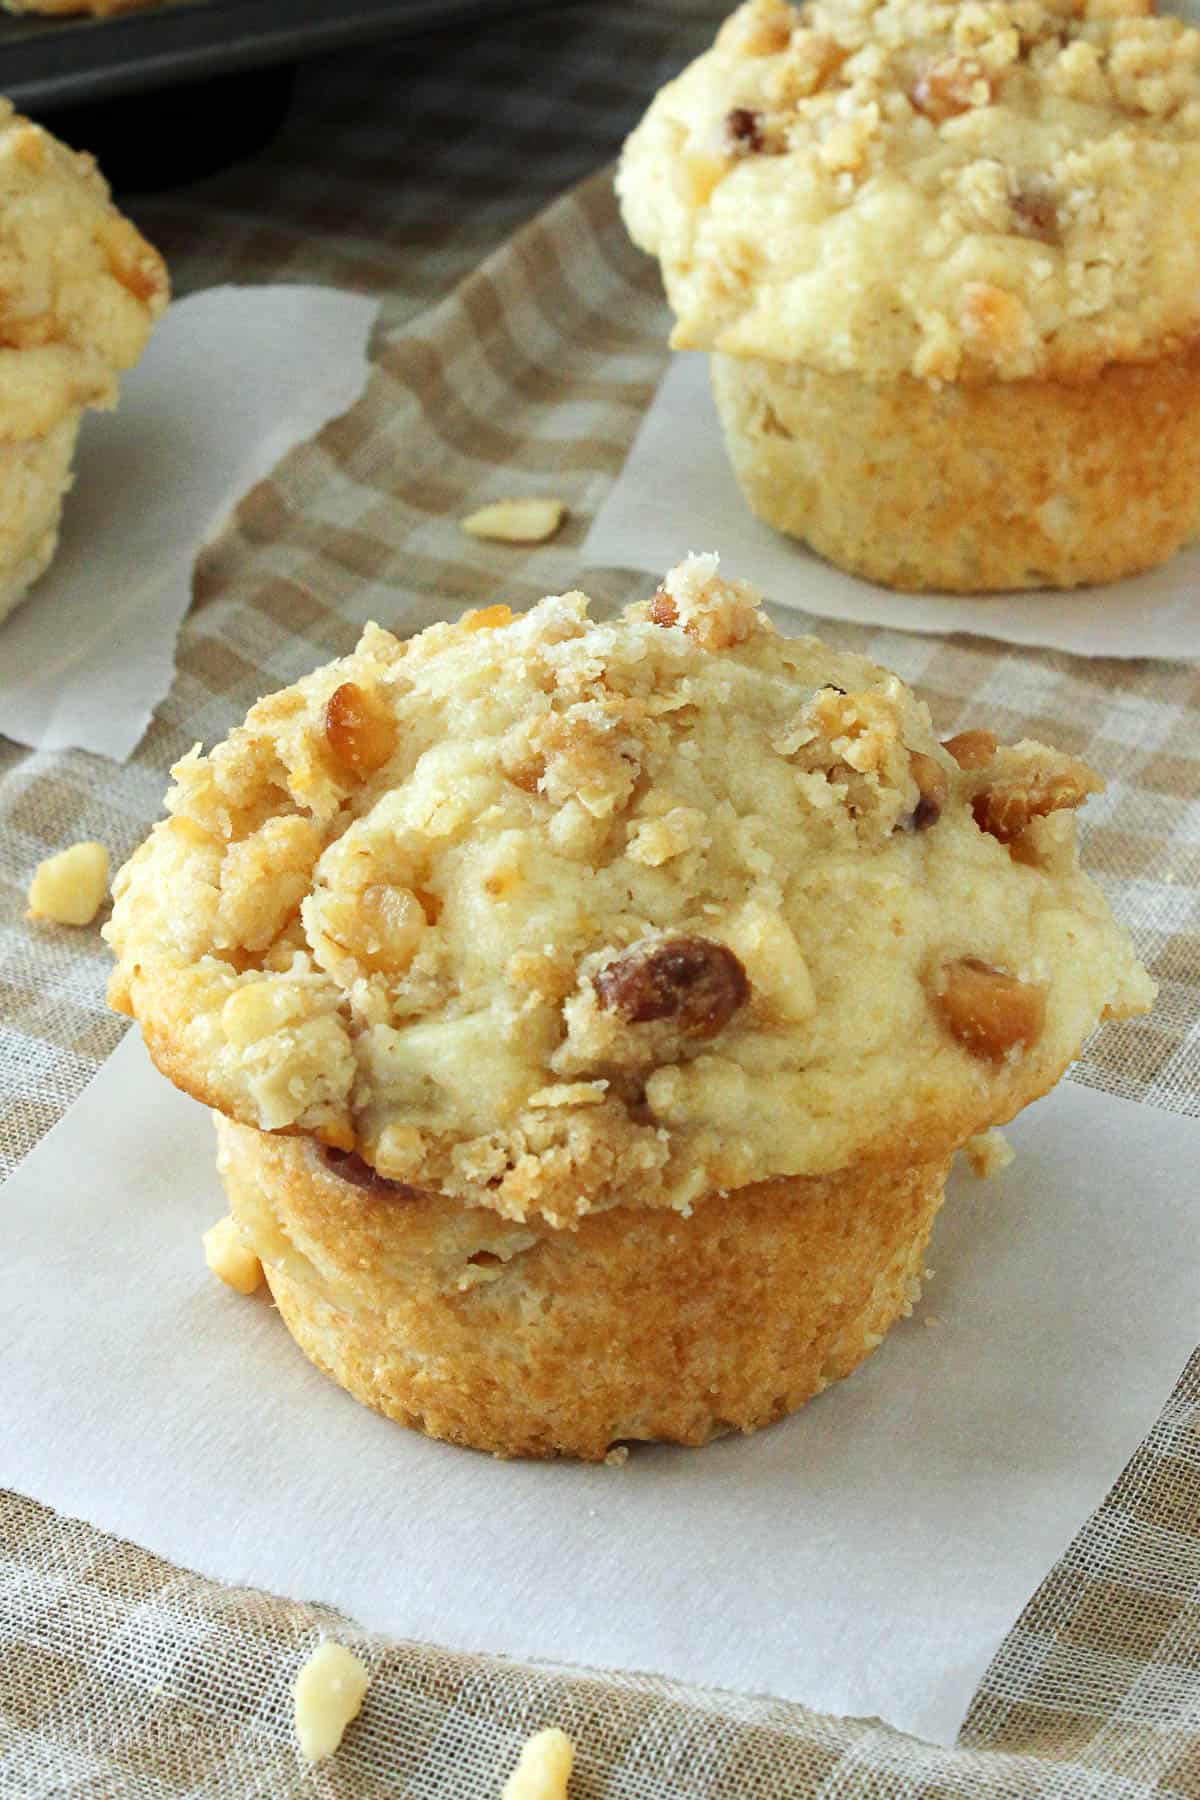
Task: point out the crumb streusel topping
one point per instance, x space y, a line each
957 190
551 913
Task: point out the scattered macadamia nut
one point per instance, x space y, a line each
70 888
988 1153
530 521
230 1258
328 1693
544 1768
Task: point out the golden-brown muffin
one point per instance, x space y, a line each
80 291
638 944
942 258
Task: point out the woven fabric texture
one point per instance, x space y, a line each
400 171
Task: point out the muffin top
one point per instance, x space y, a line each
961 191
551 913
80 288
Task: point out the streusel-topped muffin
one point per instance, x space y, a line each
80 291
942 256
538 964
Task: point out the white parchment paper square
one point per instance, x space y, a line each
231 380
677 493
865 1556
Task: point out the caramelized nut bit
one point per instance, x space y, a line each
1035 215
1031 790
359 730
988 1011
696 983
487 618
951 86
663 610
973 749
744 130
933 788
527 775
349 1166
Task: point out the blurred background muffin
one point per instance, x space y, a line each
945 260
80 291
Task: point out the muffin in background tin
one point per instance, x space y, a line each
80 292
592 1009
944 259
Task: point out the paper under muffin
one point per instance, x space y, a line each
945 263
591 1010
80 291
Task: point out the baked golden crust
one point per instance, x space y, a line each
636 1325
551 915
971 488
992 189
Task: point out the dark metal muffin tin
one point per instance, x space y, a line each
60 61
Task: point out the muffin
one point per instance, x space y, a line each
81 290
591 1010
944 261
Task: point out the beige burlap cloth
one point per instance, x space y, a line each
120 1675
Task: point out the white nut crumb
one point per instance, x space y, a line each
931 1321
70 888
544 1769
988 1153
230 1258
618 1456
517 521
328 1693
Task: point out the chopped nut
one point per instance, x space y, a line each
766 947
952 86
1031 781
487 618
381 927
328 1694
1035 215
663 610
69 888
972 749
987 1010
697 984
988 1152
543 1770
230 1258
349 1166
359 730
530 521
744 130
617 1457
933 789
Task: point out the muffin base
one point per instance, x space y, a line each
641 1324
971 488
35 475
